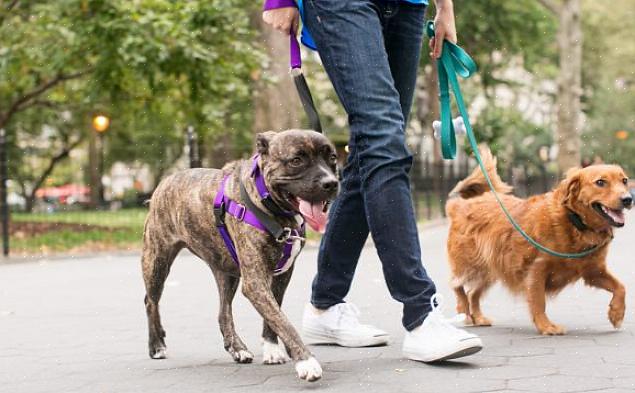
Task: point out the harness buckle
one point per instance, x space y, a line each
219 214
241 212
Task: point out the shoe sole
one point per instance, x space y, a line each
468 347
319 338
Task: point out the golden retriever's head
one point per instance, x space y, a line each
598 193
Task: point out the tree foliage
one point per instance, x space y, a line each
153 66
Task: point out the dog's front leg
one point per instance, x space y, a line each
601 278
536 298
256 289
272 350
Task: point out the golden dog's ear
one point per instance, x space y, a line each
262 141
571 186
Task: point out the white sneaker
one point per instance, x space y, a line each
437 339
339 324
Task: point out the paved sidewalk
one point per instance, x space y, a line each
78 325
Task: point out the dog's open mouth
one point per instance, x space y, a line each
614 217
315 213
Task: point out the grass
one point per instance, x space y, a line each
132 218
100 230
105 230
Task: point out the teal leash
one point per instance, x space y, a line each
454 60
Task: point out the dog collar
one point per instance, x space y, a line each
265 197
576 220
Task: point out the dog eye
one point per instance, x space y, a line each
600 183
625 181
296 161
334 158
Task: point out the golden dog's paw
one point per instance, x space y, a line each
481 321
616 314
551 330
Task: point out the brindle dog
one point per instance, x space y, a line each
296 165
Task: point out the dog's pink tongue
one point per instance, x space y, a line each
314 214
616 215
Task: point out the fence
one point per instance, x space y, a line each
432 182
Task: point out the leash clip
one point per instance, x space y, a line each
284 235
289 235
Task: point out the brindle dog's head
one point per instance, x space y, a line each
599 194
299 167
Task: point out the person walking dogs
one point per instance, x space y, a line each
370 50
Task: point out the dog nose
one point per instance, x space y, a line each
329 184
627 201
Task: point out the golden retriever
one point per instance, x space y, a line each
578 214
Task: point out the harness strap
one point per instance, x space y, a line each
219 216
224 205
265 196
272 226
454 60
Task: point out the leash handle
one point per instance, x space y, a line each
454 60
295 59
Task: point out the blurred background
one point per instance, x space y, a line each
99 100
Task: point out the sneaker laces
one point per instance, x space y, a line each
436 315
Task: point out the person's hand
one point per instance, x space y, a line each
283 19
444 27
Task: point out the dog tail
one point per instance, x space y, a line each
475 184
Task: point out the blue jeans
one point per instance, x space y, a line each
370 50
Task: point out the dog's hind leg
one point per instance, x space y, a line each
272 350
474 298
156 261
227 286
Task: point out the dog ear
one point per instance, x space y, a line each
571 186
262 141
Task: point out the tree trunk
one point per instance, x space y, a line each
569 120
427 108
276 104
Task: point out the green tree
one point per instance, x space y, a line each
153 65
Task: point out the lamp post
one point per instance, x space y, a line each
4 206
100 124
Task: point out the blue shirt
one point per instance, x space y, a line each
306 38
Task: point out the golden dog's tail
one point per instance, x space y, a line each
475 184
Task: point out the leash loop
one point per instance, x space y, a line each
455 61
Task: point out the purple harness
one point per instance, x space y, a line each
223 204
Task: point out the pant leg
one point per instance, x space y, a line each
350 40
343 241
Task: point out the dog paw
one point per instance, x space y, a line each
551 330
241 356
273 353
481 321
309 370
158 353
616 315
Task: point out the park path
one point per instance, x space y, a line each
78 325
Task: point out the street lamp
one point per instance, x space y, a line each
100 124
